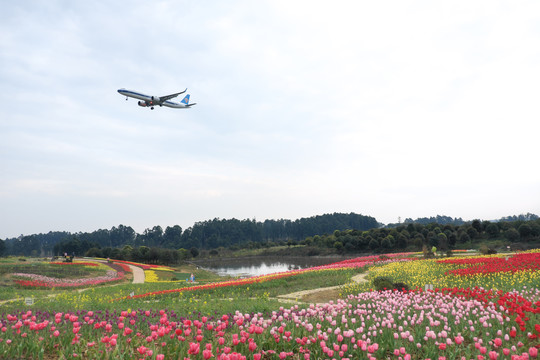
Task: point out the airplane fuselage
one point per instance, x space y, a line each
151 101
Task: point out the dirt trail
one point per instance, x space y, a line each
299 295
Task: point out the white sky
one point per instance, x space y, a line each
383 108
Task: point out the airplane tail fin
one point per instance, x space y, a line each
185 100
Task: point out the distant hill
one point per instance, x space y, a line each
208 234
447 220
439 219
522 217
212 234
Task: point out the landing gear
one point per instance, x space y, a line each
152 108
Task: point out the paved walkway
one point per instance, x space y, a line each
299 294
138 274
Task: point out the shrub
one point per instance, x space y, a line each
382 283
401 286
485 250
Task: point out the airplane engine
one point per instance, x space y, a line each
155 99
141 103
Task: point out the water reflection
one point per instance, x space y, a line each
261 269
246 267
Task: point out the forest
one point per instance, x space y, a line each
488 237
208 234
319 235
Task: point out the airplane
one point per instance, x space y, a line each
151 101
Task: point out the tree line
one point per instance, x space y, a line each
208 234
416 236
343 233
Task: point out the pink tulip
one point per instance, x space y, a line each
252 346
194 348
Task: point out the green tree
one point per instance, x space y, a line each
387 242
524 231
442 241
94 252
373 244
511 235
2 247
472 232
477 225
535 230
401 241
172 236
492 230
183 254
464 237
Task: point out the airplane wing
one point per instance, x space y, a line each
168 97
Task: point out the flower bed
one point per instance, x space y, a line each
145 266
494 264
37 280
447 323
74 263
443 325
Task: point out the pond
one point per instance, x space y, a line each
255 266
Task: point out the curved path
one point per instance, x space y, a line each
138 274
299 294
138 278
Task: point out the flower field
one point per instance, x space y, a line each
480 308
36 280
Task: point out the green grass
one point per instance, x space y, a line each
254 297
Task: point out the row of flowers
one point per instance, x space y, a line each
37 280
74 263
494 264
145 266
